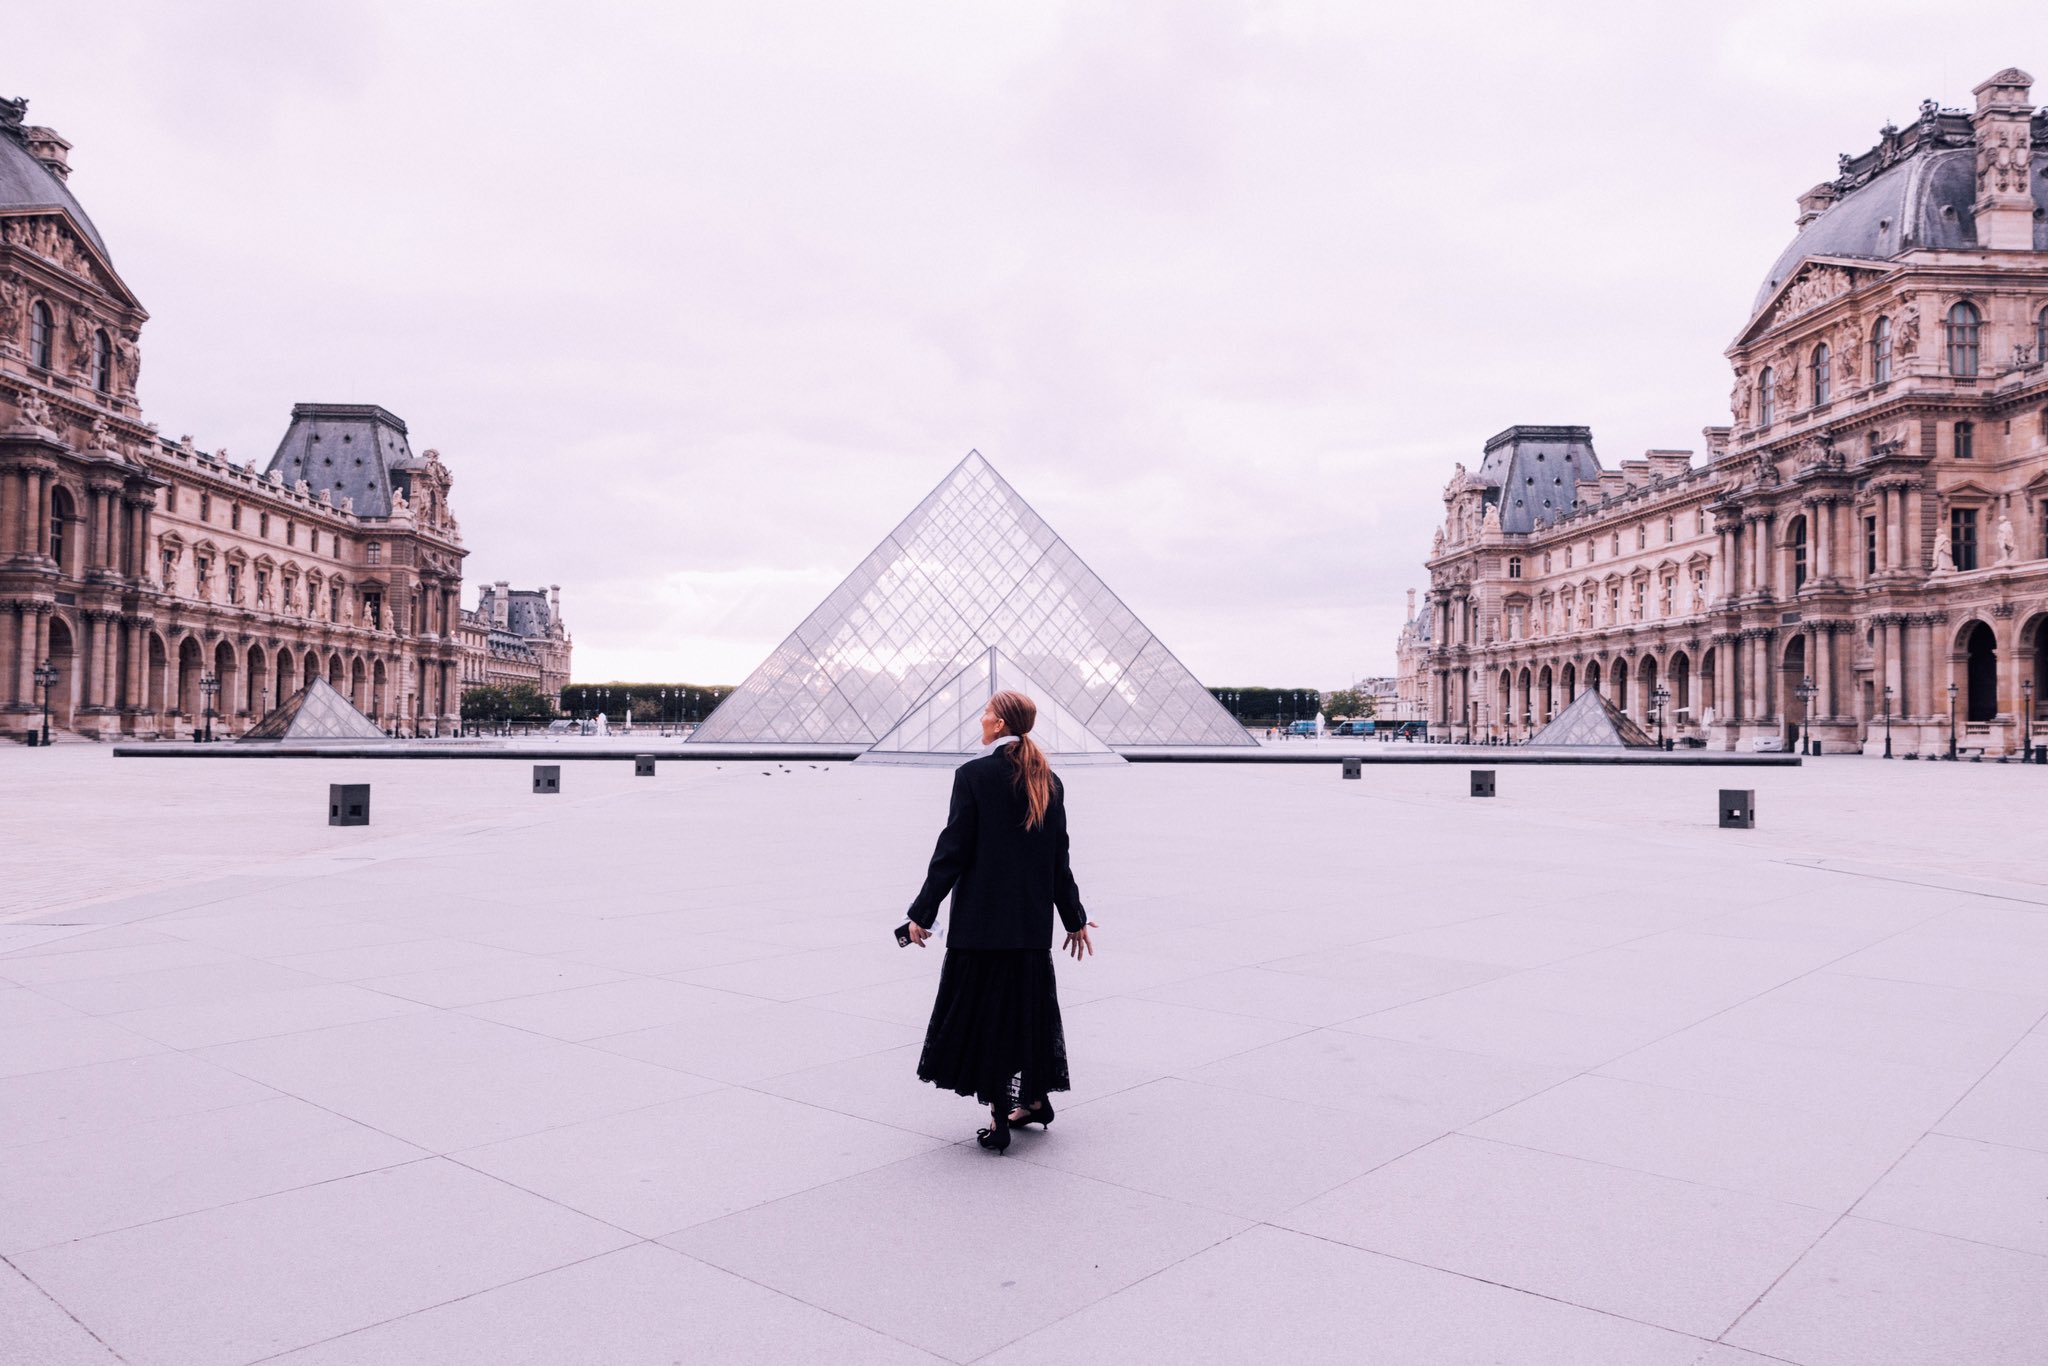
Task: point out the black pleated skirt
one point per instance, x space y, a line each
995 1032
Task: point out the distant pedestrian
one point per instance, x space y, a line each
995 1031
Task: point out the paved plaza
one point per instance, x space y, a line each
1365 1071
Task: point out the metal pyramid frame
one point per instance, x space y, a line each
1592 721
315 712
972 569
946 726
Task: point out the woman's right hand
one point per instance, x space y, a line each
918 934
1078 943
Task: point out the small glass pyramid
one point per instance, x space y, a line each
1592 720
315 712
946 727
970 570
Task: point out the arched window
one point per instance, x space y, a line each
1964 323
1823 374
1766 408
1881 351
102 363
1798 553
40 332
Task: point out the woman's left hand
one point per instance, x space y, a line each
1078 943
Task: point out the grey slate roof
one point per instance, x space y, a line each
1921 202
26 183
1537 471
356 449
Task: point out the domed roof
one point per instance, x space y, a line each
25 183
1914 191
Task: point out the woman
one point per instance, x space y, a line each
995 1029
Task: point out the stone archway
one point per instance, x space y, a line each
1792 665
1646 688
1979 648
227 672
62 656
1546 692
1569 683
191 664
256 691
1678 678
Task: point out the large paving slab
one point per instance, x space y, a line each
1364 1071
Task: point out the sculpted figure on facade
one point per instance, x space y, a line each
127 362
1906 340
1944 552
1849 355
13 308
35 409
2006 540
1742 398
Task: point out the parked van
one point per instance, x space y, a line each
1364 727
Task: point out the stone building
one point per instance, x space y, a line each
1867 541
515 637
146 578
1412 674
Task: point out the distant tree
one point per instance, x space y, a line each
1368 706
524 702
484 705
1346 703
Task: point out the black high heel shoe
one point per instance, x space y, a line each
1041 1116
995 1138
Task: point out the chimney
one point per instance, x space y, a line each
2005 162
1814 203
1411 604
501 605
45 146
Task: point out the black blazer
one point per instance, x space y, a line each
1005 880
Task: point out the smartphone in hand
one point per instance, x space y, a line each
903 935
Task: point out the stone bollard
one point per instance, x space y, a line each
348 803
1738 808
547 777
1482 782
1353 767
643 765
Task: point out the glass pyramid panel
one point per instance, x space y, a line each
1592 720
972 569
948 723
315 712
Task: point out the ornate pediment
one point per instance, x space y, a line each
1817 283
51 238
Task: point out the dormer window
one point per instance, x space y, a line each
1881 351
1823 374
102 363
1766 408
1964 325
40 331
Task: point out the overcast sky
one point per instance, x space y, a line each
698 300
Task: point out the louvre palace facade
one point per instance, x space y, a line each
143 580
1863 548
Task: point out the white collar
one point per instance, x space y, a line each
1002 740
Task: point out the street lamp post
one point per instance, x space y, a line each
209 684
1887 720
46 679
1807 692
1952 690
1661 697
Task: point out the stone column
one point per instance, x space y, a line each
10 503
1895 529
39 514
1819 517
1933 687
25 655
1911 551
1817 640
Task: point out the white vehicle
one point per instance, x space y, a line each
1767 744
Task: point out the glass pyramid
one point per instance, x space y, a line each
315 712
1591 720
946 727
971 569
